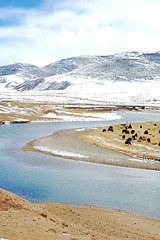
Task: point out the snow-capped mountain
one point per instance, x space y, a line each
12 76
132 76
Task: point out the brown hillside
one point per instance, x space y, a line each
20 219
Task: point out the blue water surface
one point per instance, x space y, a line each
38 177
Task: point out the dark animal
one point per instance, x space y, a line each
140 126
148 140
104 130
128 142
133 131
123 136
146 132
140 138
130 126
125 131
110 128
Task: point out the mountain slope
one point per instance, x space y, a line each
70 64
131 66
111 78
122 67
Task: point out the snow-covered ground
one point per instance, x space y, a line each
88 92
128 78
79 117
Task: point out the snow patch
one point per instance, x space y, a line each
80 117
80 129
7 122
138 148
50 115
59 152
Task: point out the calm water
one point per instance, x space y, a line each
39 177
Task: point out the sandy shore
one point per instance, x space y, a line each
68 144
20 219
142 139
20 112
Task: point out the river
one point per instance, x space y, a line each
38 177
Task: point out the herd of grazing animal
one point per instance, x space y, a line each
129 134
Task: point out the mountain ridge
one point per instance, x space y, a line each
126 77
127 66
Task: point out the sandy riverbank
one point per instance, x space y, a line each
69 144
140 139
22 112
20 219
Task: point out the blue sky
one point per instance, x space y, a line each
20 3
41 31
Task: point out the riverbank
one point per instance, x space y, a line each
70 144
140 139
22 112
21 219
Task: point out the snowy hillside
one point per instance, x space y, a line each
132 78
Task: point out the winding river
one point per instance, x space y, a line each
38 177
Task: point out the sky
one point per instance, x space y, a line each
43 31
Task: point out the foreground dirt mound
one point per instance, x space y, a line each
10 200
20 219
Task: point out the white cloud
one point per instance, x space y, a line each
68 37
142 41
67 28
40 62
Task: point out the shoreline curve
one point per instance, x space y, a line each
68 144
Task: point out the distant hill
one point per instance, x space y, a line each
83 72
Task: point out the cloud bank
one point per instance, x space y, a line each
63 28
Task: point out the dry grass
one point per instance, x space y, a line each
144 145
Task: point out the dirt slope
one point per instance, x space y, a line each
20 219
